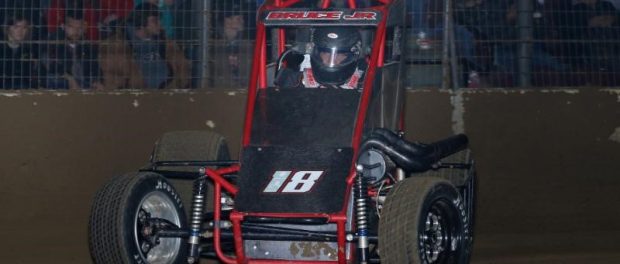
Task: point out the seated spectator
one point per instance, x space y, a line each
119 69
232 21
57 12
19 66
32 10
596 13
432 30
233 72
597 20
148 46
71 62
166 7
111 14
147 43
506 44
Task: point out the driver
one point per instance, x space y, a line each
334 61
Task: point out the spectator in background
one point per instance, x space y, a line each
161 62
139 56
18 60
118 72
111 14
71 62
59 8
596 13
597 21
432 30
232 21
232 34
147 43
32 10
496 21
167 19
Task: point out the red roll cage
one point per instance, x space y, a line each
258 80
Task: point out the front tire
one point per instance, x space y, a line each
423 220
118 216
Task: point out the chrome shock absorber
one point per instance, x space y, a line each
361 214
198 206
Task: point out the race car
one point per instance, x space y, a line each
325 174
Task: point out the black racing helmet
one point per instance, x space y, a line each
335 54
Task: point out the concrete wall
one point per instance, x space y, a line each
548 163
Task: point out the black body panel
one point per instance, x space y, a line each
260 164
304 117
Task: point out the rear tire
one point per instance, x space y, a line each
190 146
423 220
115 228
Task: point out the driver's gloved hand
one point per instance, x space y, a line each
294 60
289 78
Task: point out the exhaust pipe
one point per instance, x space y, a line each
413 156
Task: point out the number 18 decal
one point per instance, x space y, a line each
300 182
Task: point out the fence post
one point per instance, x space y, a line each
204 21
525 38
448 77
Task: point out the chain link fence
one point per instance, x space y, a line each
187 44
509 43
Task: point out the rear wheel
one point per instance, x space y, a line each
122 217
423 220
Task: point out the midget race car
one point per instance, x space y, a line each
325 175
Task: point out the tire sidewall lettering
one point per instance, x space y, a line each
458 202
164 186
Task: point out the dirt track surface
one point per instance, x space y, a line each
489 249
596 248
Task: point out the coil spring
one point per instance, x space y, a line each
198 204
361 207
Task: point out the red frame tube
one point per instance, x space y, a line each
352 4
249 111
216 175
281 35
274 261
281 41
368 82
237 217
325 4
217 204
263 66
288 3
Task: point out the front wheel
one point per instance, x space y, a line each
424 221
122 217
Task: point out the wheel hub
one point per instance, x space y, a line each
433 238
437 239
156 207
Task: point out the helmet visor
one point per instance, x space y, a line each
333 57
